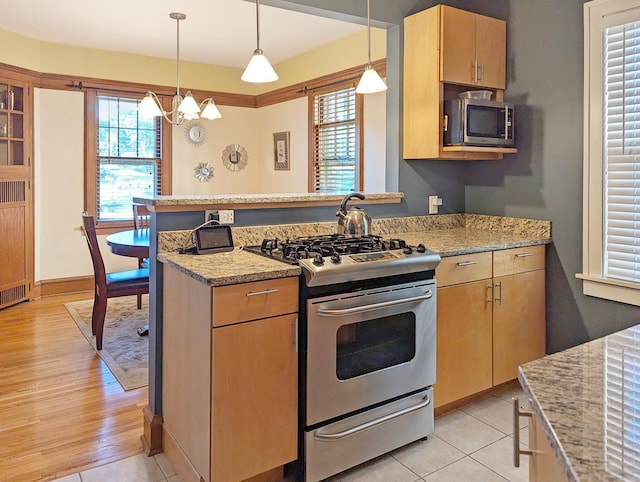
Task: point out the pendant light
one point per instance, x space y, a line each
182 109
259 69
370 82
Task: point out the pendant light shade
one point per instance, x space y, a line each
370 82
259 69
182 109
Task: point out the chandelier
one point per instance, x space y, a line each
183 109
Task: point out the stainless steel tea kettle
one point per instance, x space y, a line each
355 221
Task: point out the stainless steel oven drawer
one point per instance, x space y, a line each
344 444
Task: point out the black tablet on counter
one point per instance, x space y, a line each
213 239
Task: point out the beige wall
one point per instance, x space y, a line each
55 58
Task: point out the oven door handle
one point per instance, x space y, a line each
372 423
373 306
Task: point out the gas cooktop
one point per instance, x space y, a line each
337 258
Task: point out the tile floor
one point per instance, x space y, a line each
472 443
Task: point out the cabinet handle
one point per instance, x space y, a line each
295 333
474 71
499 300
445 124
480 70
516 432
260 293
492 290
372 423
466 263
523 255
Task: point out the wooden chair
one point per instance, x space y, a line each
109 285
141 216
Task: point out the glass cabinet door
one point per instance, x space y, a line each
11 125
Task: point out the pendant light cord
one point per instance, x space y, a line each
258 24
369 31
177 56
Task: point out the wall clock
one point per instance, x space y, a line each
234 157
203 172
196 134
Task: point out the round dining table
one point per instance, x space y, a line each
133 243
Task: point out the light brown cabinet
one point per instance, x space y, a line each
473 49
16 191
491 319
448 51
543 465
230 406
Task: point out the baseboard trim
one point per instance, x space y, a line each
152 436
179 461
62 286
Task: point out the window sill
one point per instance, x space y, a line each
609 289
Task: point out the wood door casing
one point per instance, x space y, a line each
519 327
254 397
464 341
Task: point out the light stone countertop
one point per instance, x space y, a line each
229 268
587 401
447 235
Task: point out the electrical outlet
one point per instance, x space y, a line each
226 216
434 202
211 214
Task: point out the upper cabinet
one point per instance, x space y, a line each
473 49
13 97
446 52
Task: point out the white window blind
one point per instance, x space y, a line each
335 161
622 152
128 158
622 405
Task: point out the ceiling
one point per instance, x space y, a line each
217 32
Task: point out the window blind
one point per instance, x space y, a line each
621 152
129 157
335 162
622 405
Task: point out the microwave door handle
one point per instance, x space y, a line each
506 123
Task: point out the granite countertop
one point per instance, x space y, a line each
195 202
447 235
587 399
229 268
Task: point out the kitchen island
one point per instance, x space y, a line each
586 402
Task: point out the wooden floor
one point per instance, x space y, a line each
61 409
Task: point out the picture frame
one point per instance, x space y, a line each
281 152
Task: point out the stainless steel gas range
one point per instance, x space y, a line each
367 337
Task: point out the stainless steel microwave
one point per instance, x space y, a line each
478 122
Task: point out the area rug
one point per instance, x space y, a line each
123 350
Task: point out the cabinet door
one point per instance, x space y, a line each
543 465
457 44
464 337
255 403
491 51
518 323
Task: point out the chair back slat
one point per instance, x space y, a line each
141 216
89 227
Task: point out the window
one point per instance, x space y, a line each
611 258
336 161
126 157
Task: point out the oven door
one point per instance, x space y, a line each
368 347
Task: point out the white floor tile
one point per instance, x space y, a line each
382 469
69 478
464 470
495 412
426 456
465 432
139 468
499 457
164 464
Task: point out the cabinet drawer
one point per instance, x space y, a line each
253 301
518 260
464 268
